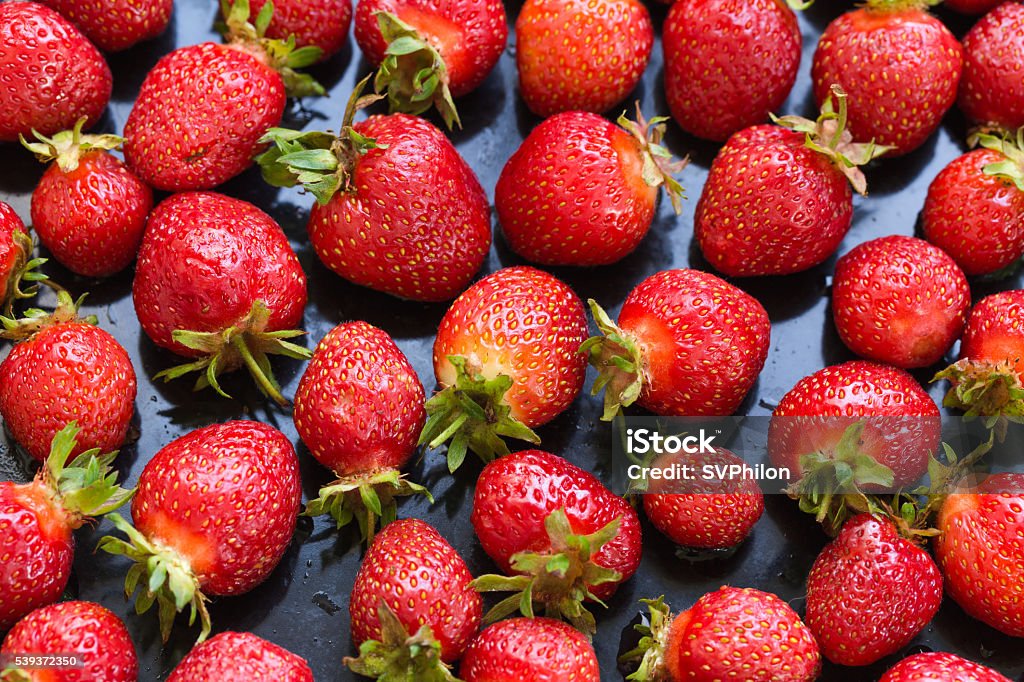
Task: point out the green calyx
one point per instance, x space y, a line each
559 579
618 362
163 575
35 320
659 166
413 73
900 5
650 650
984 389
67 147
366 498
12 674
24 279
398 656
473 415
828 136
1010 169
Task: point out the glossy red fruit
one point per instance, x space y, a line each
240 657
870 592
91 633
728 63
115 25
318 23
992 89
611 42
536 649
940 667
900 301
15 251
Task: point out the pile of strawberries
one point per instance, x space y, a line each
395 208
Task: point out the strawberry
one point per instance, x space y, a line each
88 631
975 207
17 279
359 410
88 209
240 88
728 634
894 102
240 657
972 6
430 51
37 520
412 607
687 344
582 191
870 592
115 25
323 24
611 45
52 74
940 667
729 63
778 200
558 531
507 360
214 513
217 281
537 649
900 301
992 90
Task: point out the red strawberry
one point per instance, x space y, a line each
992 89
611 45
972 6
37 520
240 88
507 360
557 530
217 281
728 63
899 300
115 25
88 209
536 649
975 207
582 191
940 667
240 657
870 592
687 344
894 102
359 410
17 280
430 51
728 634
52 74
92 634
322 23
778 200
412 606
214 514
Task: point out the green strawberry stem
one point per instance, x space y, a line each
12 674
246 344
659 167
900 5
982 389
35 320
1012 168
559 579
399 656
164 576
67 147
650 650
365 498
473 415
618 361
25 270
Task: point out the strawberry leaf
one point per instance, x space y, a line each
397 655
618 362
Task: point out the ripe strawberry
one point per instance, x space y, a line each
687 344
92 633
870 592
88 209
412 606
778 200
729 63
37 520
582 191
359 410
430 51
537 649
940 667
214 514
703 644
217 281
894 102
52 74
975 207
611 42
972 6
992 90
240 88
240 657
115 25
900 301
17 279
507 360
323 23
564 537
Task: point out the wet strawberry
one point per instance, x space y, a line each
992 89
537 649
115 25
240 657
940 667
322 24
